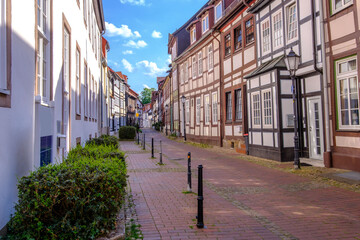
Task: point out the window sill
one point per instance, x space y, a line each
4 91
237 50
348 130
341 9
44 101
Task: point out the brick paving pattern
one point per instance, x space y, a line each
242 200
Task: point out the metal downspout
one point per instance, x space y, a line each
325 83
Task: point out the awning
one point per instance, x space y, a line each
268 66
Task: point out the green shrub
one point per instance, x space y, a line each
77 199
158 125
104 140
127 132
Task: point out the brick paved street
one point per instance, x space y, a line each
242 200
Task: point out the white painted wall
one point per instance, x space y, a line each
17 122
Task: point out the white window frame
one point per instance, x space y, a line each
85 4
228 109
214 107
42 75
187 110
217 18
345 77
200 64
86 87
267 108
288 24
256 112
205 24
266 36
198 110
186 71
66 66
194 67
3 47
78 83
193 35
42 10
344 5
237 104
278 36
181 73
207 109
210 58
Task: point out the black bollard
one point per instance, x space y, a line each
189 172
200 216
138 138
160 154
144 142
152 147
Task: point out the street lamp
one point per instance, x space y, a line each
183 99
166 109
292 62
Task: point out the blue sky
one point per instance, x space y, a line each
137 31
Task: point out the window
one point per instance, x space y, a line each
207 109
218 11
277 30
186 72
85 91
249 31
267 108
3 47
66 79
42 84
42 15
198 111
85 11
228 106
291 22
210 58
45 150
181 74
78 83
338 5
193 35
205 24
266 36
238 105
175 82
187 107
200 63
348 93
214 108
238 38
227 44
256 109
194 67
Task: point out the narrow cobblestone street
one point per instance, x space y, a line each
242 200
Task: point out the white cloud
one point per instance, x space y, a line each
134 2
127 65
169 59
151 68
146 86
124 31
128 52
138 44
156 34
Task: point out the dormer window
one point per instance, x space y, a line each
218 11
193 35
205 23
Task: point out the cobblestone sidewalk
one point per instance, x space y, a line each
242 200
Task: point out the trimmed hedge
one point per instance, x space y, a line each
104 140
77 199
127 132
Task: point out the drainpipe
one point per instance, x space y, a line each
313 14
221 90
327 154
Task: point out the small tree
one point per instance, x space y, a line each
145 95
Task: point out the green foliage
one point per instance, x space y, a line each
145 95
104 140
77 199
158 125
127 132
133 231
